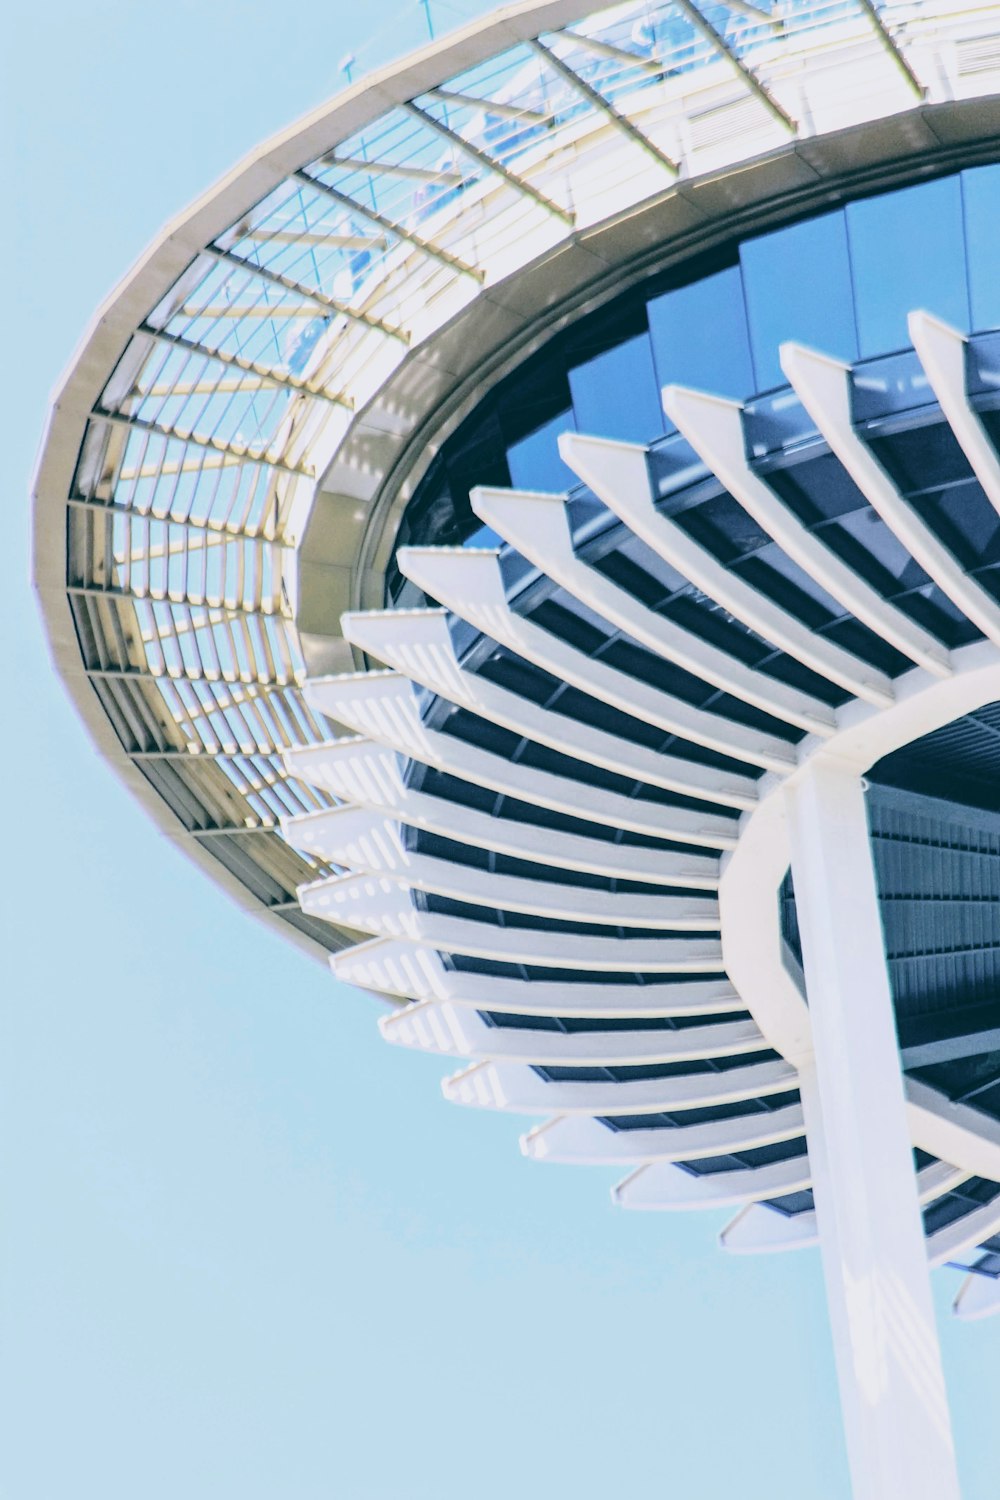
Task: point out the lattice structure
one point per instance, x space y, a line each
580 793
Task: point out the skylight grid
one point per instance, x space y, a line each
271 795
398 167
661 35
612 77
215 725
742 33
524 116
165 560
190 393
317 241
802 17
165 477
238 313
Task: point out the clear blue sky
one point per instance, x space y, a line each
250 1252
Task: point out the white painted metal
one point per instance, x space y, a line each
891 1383
470 584
315 833
582 1141
369 844
755 957
758 1230
478 285
409 969
418 644
978 1297
537 526
955 1132
823 385
520 1090
459 1031
383 906
354 775
618 474
754 1228
714 428
942 353
963 1234
383 707
664 1186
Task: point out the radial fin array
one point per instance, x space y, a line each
535 817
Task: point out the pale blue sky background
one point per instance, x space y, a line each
250 1252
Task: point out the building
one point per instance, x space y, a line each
543 510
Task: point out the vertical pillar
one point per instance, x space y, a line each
888 1357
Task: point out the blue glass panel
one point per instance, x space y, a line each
483 536
534 461
907 252
798 286
981 194
700 337
616 395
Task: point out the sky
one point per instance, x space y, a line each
249 1250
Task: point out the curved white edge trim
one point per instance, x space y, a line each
520 1090
451 1030
823 385
664 1186
755 955
754 951
470 583
366 843
383 706
941 350
383 906
418 644
402 967
714 428
537 526
365 781
618 474
582 1141
978 1297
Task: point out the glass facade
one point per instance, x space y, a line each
842 283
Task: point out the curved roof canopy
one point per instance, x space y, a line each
229 455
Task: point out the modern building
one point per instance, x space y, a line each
532 533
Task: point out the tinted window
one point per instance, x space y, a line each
907 252
700 338
981 194
616 395
534 461
798 286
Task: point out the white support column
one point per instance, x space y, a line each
878 1289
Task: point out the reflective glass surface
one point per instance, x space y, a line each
617 394
798 286
907 251
534 461
700 337
981 198
842 283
